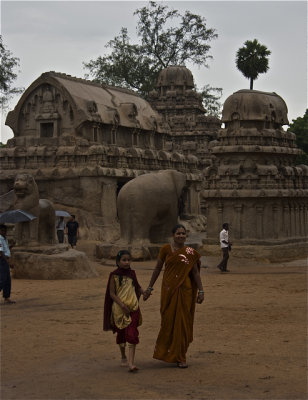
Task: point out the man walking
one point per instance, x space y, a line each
5 274
72 231
225 247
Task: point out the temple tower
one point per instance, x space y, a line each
253 183
180 106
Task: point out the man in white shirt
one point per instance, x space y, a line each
5 274
225 247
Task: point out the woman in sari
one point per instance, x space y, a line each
181 289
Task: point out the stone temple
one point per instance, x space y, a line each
253 182
83 142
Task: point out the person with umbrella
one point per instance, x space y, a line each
5 275
60 229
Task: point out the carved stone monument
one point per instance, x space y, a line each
83 142
253 183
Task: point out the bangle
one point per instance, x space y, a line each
150 289
201 291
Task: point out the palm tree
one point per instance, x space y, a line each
252 60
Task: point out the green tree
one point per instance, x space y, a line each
299 126
252 60
165 38
8 63
211 97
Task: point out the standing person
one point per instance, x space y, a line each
121 311
72 231
5 274
180 283
60 229
225 247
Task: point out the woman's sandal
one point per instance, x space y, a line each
133 369
182 365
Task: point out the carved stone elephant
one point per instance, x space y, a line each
148 206
42 229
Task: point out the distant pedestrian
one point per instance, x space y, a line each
5 274
72 231
225 247
60 229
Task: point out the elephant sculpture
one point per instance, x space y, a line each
42 228
148 206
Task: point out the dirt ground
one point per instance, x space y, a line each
250 338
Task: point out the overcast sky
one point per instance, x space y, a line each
61 35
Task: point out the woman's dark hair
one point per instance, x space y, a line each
178 226
120 255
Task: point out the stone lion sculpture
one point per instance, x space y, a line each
42 229
148 206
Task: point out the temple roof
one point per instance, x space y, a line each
253 105
95 101
177 75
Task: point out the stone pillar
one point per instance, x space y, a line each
238 216
220 213
259 210
296 231
275 221
292 221
108 203
305 220
286 220
301 220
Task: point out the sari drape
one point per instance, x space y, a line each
178 299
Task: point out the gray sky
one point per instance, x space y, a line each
61 35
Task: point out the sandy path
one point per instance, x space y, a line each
249 339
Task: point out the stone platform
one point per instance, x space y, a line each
138 252
263 252
51 262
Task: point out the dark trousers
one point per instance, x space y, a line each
60 234
5 278
225 256
72 239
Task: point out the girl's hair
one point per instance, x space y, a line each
120 254
178 226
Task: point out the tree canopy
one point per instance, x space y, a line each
252 60
165 38
299 126
8 64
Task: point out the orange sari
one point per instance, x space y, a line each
178 299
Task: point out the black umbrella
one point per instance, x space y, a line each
14 216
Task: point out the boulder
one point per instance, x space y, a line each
68 264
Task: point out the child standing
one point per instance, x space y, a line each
121 312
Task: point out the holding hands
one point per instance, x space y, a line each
200 297
147 293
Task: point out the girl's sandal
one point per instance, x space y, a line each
124 362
